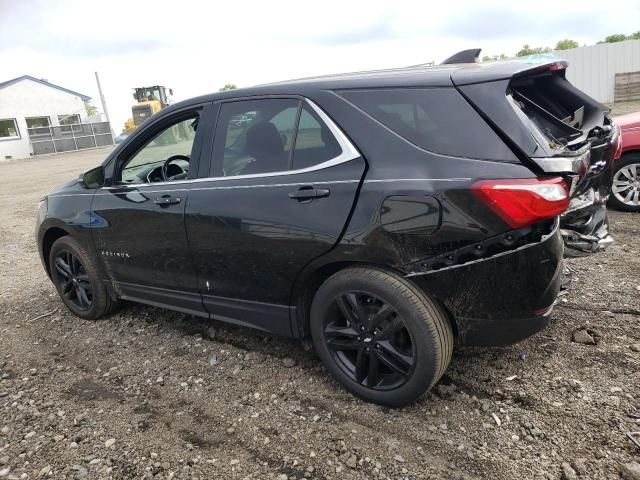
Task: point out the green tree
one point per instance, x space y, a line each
527 50
566 44
493 58
635 36
616 37
90 108
228 86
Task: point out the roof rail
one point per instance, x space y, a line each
465 56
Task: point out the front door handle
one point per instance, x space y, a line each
166 200
309 193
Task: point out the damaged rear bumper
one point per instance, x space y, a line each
502 299
585 226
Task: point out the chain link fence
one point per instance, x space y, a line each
67 138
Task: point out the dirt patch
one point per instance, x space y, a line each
88 390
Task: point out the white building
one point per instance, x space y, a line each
26 103
593 69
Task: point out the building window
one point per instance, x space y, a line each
8 129
69 119
38 127
69 124
38 122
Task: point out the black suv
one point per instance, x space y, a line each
385 215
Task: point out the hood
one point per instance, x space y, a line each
68 186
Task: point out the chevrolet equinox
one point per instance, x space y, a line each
386 216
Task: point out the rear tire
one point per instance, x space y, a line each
380 336
76 278
624 184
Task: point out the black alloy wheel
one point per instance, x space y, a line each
77 280
379 335
369 341
73 280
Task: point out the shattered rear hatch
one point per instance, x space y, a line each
581 140
555 129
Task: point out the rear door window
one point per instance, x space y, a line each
255 136
270 135
314 141
436 119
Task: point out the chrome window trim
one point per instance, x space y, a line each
265 185
349 152
234 187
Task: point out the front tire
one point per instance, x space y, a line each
76 278
625 187
380 336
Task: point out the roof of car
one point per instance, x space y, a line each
417 76
429 74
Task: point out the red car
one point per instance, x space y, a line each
625 188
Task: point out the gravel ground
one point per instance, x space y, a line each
622 108
148 392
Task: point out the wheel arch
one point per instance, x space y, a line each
49 237
632 152
628 157
306 287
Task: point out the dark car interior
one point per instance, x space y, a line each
265 143
165 158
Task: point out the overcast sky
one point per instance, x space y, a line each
197 47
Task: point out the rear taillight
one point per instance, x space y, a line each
523 201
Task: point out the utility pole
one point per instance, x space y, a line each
104 103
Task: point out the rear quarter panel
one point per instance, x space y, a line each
450 217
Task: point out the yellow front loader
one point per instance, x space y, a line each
150 100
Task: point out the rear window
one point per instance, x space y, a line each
557 109
436 119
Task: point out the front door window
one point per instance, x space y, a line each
165 157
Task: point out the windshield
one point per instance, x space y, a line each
149 94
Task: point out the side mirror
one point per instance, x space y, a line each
93 178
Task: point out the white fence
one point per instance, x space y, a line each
593 69
67 138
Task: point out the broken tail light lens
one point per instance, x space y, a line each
523 201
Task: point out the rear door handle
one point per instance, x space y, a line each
308 193
166 200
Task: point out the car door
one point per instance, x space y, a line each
140 232
283 182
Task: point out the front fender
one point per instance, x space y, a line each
65 213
